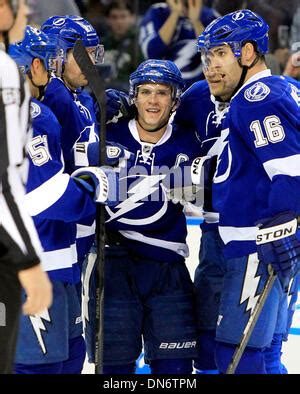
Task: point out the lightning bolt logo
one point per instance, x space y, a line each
89 134
39 326
251 282
184 58
222 148
290 292
238 15
293 293
257 90
86 285
138 192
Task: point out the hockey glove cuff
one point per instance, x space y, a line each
278 245
102 182
87 154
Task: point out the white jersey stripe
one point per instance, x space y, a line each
44 196
59 258
229 234
285 166
84 231
177 247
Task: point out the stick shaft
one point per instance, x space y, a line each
251 323
97 86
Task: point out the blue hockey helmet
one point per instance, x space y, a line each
35 44
236 29
68 29
156 71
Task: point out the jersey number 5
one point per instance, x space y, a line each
274 131
38 150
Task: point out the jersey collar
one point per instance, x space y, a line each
256 77
135 134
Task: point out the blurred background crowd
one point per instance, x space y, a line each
133 30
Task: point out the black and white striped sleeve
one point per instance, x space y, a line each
19 242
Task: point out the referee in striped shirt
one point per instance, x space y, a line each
19 243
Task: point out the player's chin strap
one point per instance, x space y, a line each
72 89
242 79
244 73
61 76
41 88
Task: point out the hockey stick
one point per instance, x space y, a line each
251 322
97 86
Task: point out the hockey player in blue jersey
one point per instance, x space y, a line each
52 341
267 129
169 30
72 106
209 275
148 291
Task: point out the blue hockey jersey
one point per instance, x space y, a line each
258 173
53 199
295 84
150 225
75 113
182 50
201 112
291 80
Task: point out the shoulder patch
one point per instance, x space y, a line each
35 110
257 92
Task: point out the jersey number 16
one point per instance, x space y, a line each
274 131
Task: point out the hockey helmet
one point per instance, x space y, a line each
235 29
68 29
35 44
156 71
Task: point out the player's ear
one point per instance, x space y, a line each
175 105
248 52
134 100
36 65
